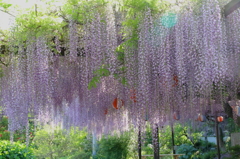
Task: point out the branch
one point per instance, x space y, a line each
5 64
7 13
185 134
67 20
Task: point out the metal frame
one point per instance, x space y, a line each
231 7
156 142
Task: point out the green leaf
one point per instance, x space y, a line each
105 72
93 82
5 5
123 81
123 68
116 76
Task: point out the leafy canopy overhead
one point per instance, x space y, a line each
51 18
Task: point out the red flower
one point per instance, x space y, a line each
0 135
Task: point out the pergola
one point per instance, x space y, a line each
228 9
99 79
231 7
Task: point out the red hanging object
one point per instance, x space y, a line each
176 115
117 103
220 118
114 103
133 96
201 118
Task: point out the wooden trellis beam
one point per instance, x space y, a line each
231 7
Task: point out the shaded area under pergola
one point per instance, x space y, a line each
228 9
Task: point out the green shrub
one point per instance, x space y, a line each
204 149
208 155
15 150
181 136
62 144
234 152
188 150
204 146
114 146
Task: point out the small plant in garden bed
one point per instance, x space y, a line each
188 150
234 152
115 146
15 150
204 146
200 150
208 155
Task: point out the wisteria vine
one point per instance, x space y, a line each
184 64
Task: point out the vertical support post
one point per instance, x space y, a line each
217 137
173 144
94 143
156 143
27 133
139 144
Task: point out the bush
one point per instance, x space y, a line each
15 150
205 149
204 146
234 152
208 155
188 150
62 144
181 136
115 146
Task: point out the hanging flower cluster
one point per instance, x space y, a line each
184 64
